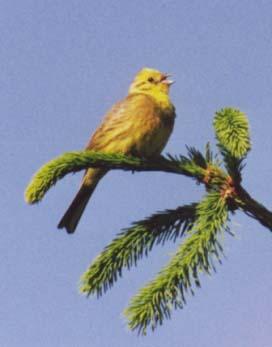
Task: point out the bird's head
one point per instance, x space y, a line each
150 81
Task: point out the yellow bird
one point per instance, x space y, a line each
139 125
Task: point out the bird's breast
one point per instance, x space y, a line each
152 134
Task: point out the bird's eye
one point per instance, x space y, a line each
151 80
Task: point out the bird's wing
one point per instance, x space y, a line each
121 122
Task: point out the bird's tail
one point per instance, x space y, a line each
74 212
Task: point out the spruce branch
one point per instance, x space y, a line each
234 166
134 243
232 132
196 157
202 223
70 162
253 208
196 255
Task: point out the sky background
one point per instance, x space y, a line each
63 64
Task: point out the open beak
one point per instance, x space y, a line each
165 79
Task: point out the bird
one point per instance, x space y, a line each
139 125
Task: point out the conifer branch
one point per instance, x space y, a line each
134 243
233 166
70 162
155 301
253 208
232 132
203 223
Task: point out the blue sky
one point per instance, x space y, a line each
63 64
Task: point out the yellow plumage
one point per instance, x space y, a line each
139 125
